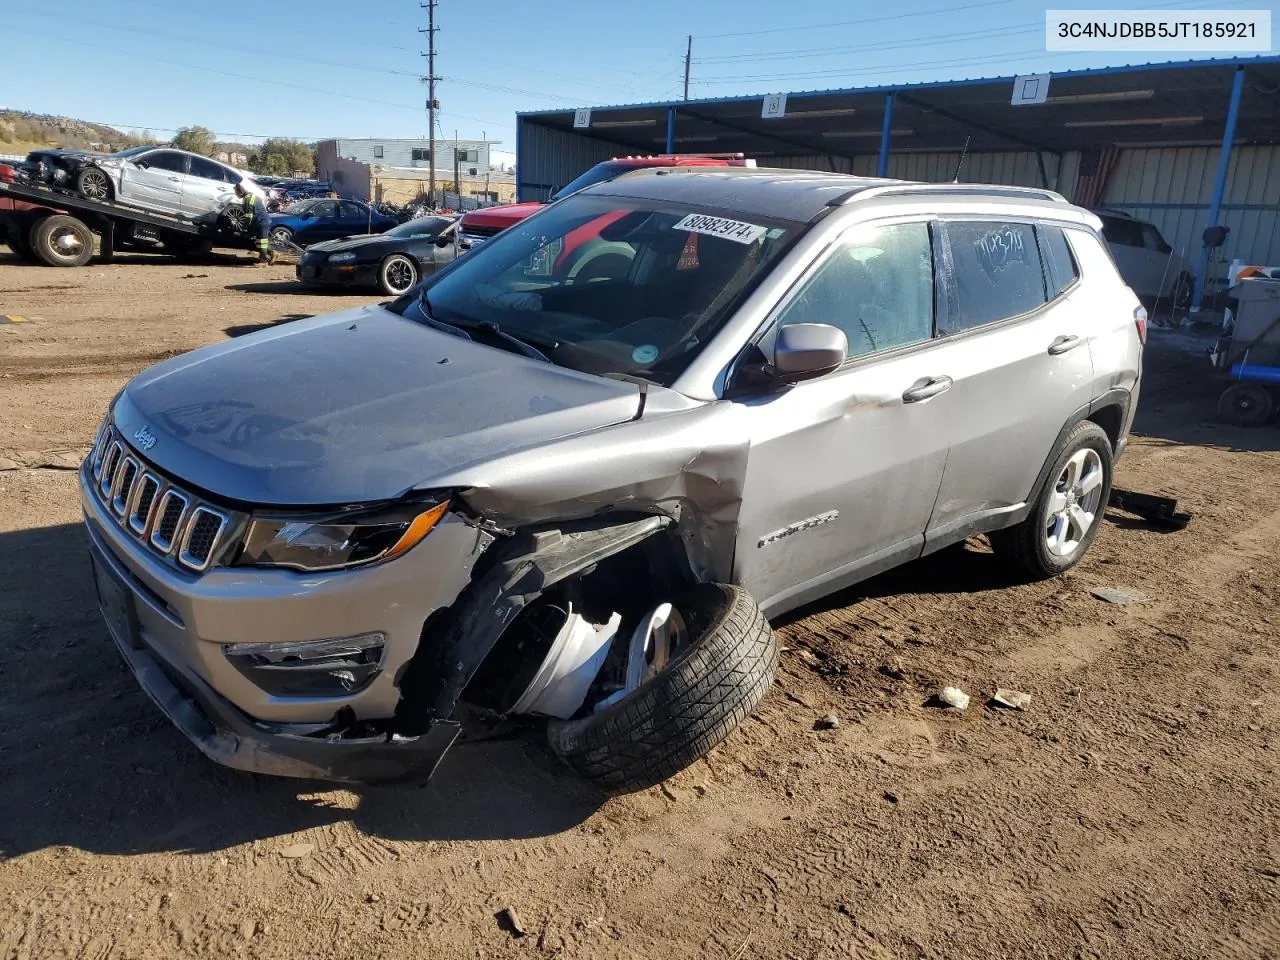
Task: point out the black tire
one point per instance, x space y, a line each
1246 405
92 183
61 241
1025 548
705 692
397 275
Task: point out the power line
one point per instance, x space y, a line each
859 21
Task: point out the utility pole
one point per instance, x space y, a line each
432 104
688 59
457 178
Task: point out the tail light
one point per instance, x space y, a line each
1140 321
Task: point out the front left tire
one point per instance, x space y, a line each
92 183
397 275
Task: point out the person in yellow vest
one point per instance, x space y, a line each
257 219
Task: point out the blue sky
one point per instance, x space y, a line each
321 68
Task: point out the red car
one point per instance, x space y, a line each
478 225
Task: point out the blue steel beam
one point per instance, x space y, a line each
1220 182
671 129
882 166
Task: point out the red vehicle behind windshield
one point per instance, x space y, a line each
479 225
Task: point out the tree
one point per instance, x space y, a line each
280 156
195 140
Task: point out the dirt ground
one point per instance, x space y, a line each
1131 811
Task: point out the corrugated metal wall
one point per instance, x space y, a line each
547 159
1172 187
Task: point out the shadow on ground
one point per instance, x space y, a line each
88 762
241 329
296 288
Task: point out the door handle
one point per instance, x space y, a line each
174 179
925 388
1064 343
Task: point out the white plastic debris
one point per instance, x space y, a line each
1120 595
576 656
1013 699
954 697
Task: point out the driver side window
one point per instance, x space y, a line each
876 285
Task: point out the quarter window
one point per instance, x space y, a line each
352 211
1060 265
876 286
997 273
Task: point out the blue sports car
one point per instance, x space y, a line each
311 221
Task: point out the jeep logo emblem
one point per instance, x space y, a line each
146 439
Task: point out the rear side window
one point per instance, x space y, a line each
996 273
1126 233
1060 266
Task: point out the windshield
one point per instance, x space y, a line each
611 284
132 151
597 174
422 227
300 206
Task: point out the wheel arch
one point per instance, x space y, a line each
457 641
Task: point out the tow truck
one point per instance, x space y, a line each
58 227
479 225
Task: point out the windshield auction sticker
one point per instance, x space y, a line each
1180 31
722 227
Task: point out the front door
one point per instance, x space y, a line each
153 181
1017 350
843 470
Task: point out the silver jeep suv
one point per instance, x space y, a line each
571 475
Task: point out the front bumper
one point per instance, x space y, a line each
348 274
171 628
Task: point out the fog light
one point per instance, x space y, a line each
314 668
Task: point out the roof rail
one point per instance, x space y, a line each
961 189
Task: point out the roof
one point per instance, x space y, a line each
796 195
1145 104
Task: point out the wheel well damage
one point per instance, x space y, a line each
530 564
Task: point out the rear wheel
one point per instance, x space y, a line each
1068 512
62 241
1246 404
92 183
397 275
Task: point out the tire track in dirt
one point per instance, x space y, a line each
30 369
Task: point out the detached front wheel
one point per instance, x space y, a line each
683 698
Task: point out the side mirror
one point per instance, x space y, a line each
803 351
445 240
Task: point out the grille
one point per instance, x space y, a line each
202 535
174 523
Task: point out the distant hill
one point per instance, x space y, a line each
21 132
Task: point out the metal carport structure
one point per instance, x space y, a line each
1162 141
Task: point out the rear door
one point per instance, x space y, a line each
1016 343
154 181
355 218
206 187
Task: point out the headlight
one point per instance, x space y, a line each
341 257
336 542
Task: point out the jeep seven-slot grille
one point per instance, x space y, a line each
170 521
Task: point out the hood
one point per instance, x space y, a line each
501 217
55 152
351 243
353 407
